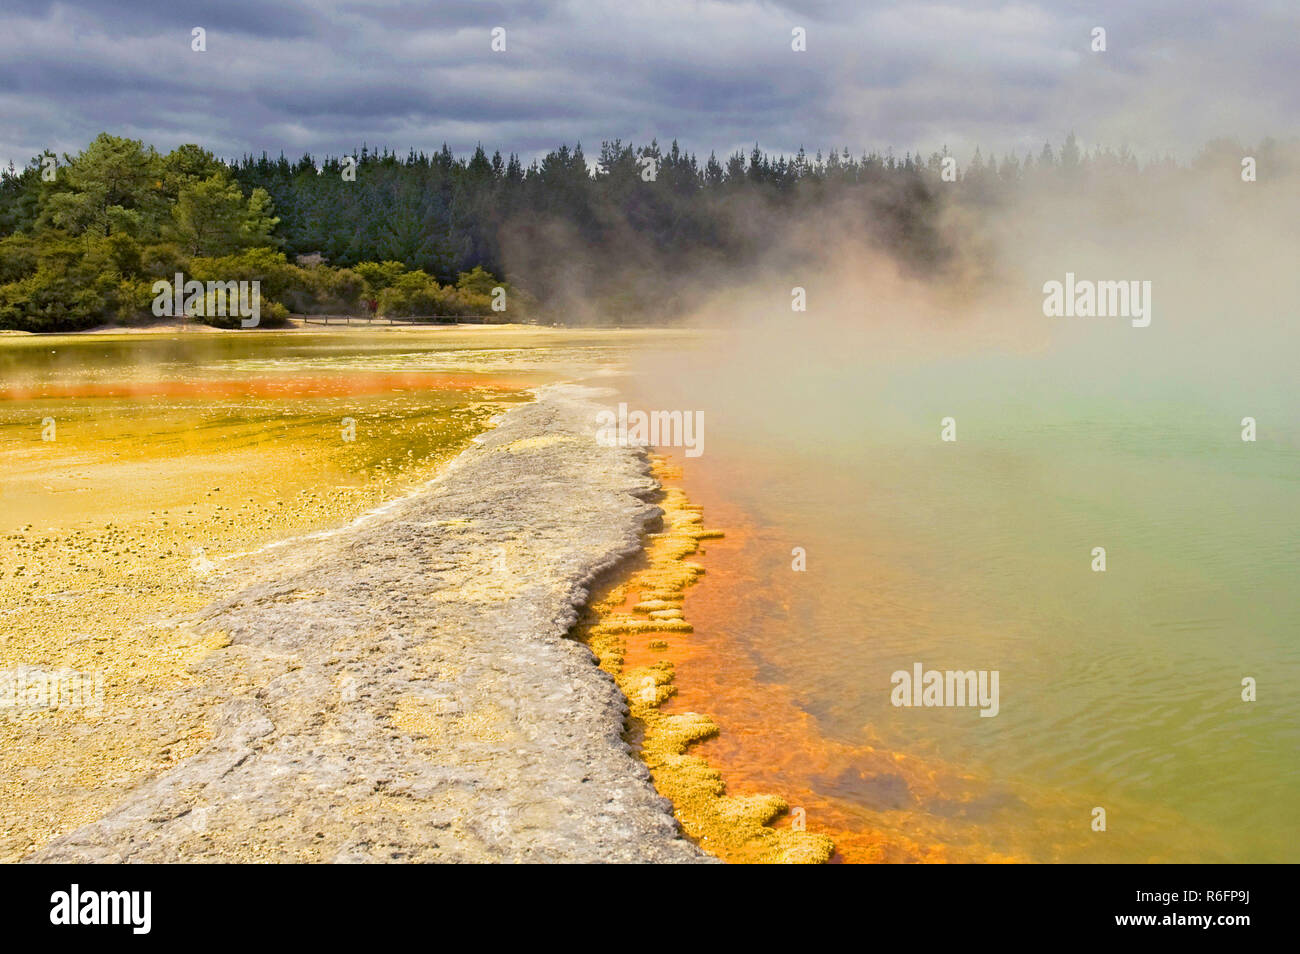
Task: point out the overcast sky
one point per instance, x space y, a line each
327 75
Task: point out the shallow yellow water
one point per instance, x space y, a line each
124 487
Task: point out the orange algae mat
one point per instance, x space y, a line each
630 625
267 386
748 779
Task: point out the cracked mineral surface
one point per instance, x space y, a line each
404 689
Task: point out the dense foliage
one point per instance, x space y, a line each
84 241
633 236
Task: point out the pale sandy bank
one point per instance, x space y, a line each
403 689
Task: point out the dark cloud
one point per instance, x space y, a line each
325 76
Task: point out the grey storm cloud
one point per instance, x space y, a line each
329 75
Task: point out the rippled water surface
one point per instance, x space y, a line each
1118 689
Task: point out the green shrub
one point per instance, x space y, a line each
18 257
274 315
134 301
418 294
378 275
162 260
51 300
319 289
265 265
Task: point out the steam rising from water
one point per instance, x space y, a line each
1118 687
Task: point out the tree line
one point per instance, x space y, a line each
632 235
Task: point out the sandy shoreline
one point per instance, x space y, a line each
404 689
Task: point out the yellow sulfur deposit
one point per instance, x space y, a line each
735 828
121 527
